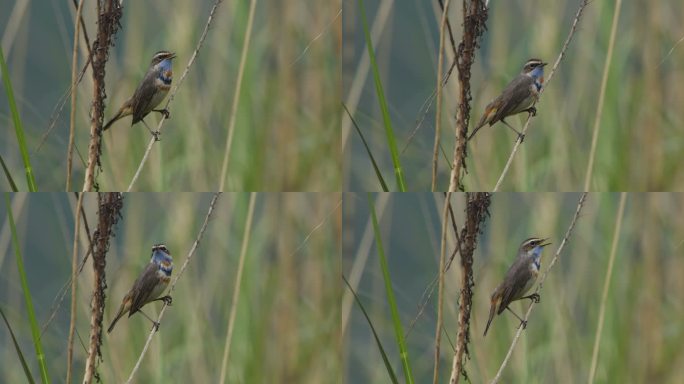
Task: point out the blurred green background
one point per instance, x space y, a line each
287 135
287 325
643 332
640 146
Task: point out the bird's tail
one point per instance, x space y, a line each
124 111
492 311
475 131
112 121
119 315
486 118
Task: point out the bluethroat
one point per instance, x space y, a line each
151 91
518 96
520 277
149 285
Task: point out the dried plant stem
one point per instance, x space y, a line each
74 280
474 18
438 109
72 114
108 212
108 16
477 210
440 280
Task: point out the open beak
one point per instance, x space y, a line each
544 243
173 56
543 65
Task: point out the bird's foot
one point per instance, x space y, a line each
532 111
155 326
156 135
523 324
168 300
535 297
164 112
521 137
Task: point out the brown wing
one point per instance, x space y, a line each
143 287
515 93
143 97
516 278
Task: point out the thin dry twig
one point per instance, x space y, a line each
438 110
518 141
172 94
318 36
580 204
670 52
440 289
74 280
200 234
72 115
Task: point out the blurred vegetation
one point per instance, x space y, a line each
640 145
643 332
287 325
287 124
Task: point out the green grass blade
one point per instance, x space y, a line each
391 139
398 330
18 127
29 377
388 366
378 174
35 329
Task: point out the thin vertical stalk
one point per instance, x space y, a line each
606 286
236 289
602 95
236 94
438 112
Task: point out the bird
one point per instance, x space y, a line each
151 91
520 95
150 284
520 277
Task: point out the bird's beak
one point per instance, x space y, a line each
545 243
173 56
543 64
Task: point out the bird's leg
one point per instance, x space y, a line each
534 297
154 133
523 323
155 324
521 137
164 112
